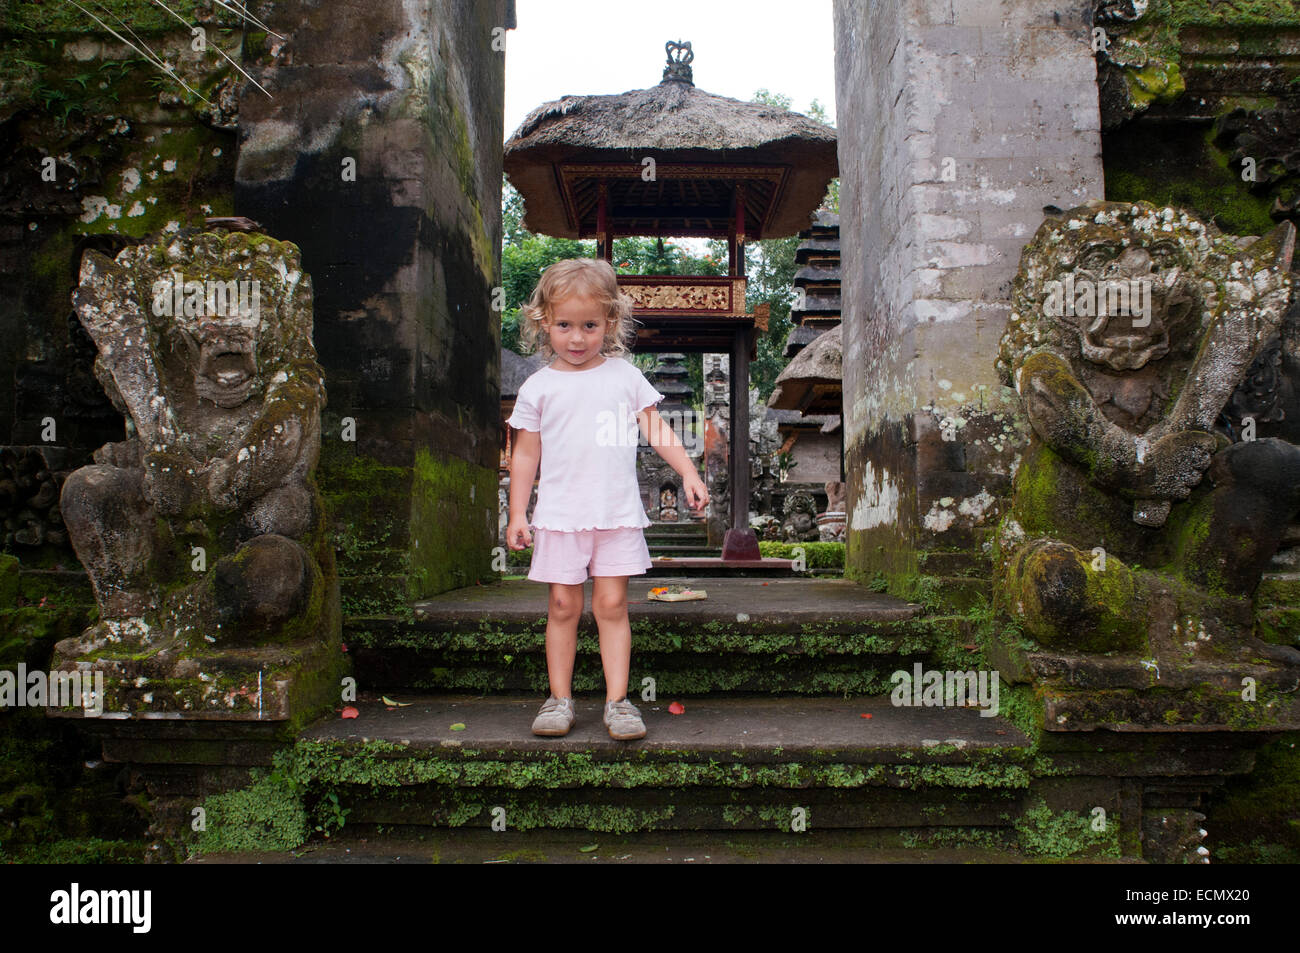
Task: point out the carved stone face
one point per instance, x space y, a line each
226 366
1117 289
1141 294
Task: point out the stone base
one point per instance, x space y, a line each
291 682
1243 690
740 544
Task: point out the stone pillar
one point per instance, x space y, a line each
960 120
379 155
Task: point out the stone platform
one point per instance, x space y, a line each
743 728
786 602
725 763
791 634
716 564
659 847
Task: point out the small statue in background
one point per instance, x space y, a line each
668 505
800 524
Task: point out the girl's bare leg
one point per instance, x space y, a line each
609 606
562 636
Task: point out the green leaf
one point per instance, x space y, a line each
589 848
459 726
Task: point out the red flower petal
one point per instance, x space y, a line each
864 715
677 708
350 712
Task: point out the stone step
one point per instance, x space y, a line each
368 844
962 593
960 563
810 636
678 549
1278 624
676 530
1279 589
716 566
726 763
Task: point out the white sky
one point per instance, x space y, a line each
583 48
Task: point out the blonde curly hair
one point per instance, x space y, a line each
592 278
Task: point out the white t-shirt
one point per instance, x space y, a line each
589 430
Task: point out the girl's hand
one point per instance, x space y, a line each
517 531
696 495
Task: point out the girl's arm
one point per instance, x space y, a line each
524 458
660 436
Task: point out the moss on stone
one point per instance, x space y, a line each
1217 195
1255 818
405 533
269 814
1065 602
8 581
816 555
1045 832
1273 14
453 524
144 16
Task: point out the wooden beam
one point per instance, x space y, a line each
738 459
627 212
604 247
740 230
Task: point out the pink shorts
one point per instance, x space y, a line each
564 557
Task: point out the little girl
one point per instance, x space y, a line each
579 415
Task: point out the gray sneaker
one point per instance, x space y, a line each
555 718
624 721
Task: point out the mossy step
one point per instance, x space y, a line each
809 636
962 593
959 563
384 667
362 595
362 844
1279 589
753 731
682 808
724 763
1279 625
56 585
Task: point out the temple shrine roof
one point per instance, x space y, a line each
702 145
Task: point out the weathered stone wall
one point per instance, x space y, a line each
1200 108
403 255
959 121
98 149
819 457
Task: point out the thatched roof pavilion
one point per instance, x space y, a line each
674 160
814 381
785 160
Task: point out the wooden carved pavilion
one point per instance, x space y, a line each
668 161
